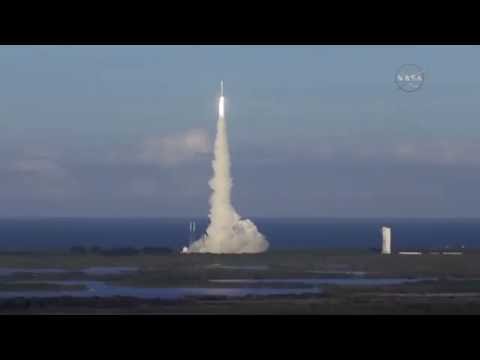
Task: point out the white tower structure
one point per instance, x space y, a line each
386 240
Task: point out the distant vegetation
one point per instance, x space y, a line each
25 286
17 252
126 251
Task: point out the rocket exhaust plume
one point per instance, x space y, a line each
227 232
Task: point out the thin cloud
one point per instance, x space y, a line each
39 167
173 149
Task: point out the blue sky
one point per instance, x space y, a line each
314 130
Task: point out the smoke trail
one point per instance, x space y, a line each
227 232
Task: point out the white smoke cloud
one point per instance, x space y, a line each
173 149
227 232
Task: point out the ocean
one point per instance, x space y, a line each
283 234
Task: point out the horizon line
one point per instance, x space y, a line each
251 217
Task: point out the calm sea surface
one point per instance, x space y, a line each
44 234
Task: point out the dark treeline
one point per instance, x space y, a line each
17 252
124 251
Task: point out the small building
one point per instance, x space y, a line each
410 253
386 240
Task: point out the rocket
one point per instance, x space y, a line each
221 88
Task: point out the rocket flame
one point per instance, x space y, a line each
221 107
